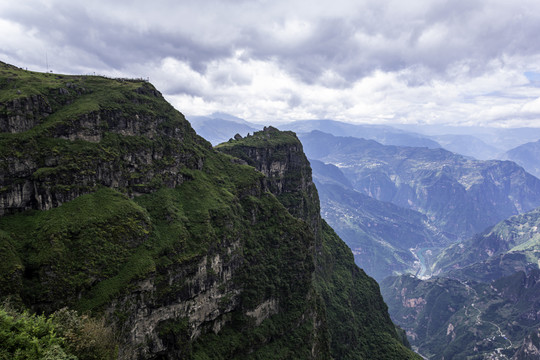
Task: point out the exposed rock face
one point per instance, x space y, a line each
280 157
530 349
37 176
22 114
184 250
200 297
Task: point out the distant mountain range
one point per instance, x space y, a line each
468 145
383 134
476 142
220 127
503 139
380 234
526 155
458 195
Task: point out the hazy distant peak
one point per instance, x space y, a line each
225 116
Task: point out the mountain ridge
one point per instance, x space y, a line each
493 277
113 205
431 181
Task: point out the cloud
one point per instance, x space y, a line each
532 107
461 61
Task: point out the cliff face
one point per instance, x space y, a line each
354 308
110 203
66 136
280 157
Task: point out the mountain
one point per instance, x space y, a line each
452 319
530 350
288 176
384 134
526 155
485 297
384 237
112 205
500 138
460 196
468 145
510 246
220 127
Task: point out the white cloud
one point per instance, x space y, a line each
388 61
532 107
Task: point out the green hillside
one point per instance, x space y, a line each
111 205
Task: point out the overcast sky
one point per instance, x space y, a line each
460 62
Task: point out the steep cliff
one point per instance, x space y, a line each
354 307
64 136
110 203
280 157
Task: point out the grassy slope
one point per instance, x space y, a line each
358 320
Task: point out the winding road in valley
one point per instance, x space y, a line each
498 351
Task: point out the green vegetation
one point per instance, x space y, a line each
449 318
116 208
65 335
68 249
269 138
357 319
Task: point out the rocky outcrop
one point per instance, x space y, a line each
22 114
530 349
134 151
27 185
199 297
280 157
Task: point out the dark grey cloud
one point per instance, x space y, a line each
114 44
367 36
